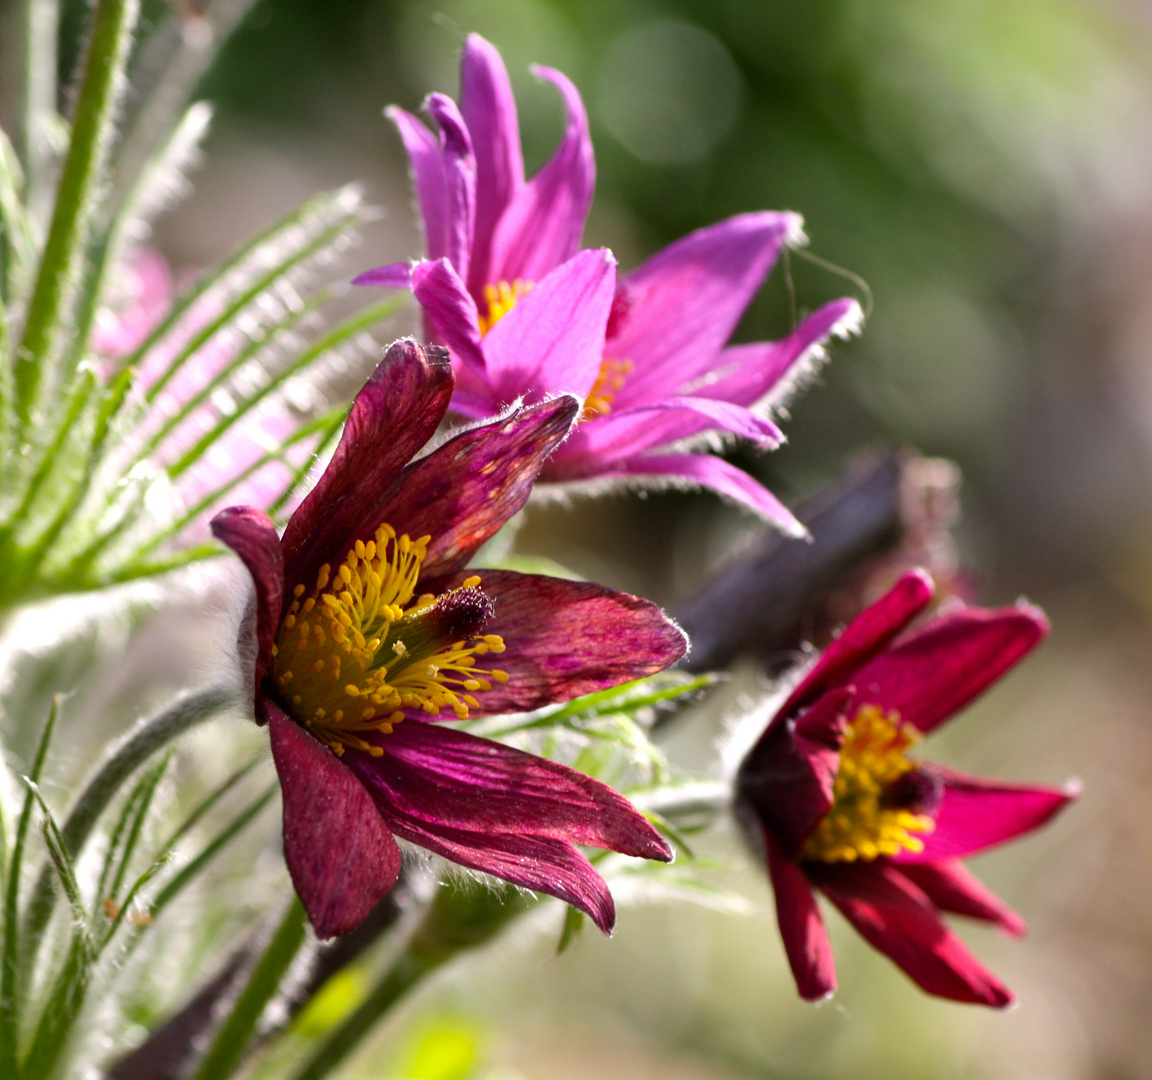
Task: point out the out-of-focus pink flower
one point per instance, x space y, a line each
368 626
665 378
831 794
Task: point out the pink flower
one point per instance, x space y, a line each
663 378
368 627
839 806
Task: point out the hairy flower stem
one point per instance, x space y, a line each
120 762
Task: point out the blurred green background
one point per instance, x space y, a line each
986 167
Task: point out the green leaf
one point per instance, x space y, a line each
573 924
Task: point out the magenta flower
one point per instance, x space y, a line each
830 792
368 627
662 380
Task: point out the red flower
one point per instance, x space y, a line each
839 805
368 627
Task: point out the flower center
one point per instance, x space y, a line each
359 649
607 386
502 298
880 796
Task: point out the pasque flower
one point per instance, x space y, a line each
369 630
660 379
839 805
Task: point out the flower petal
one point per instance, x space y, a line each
340 854
463 492
450 309
801 925
444 777
747 374
251 534
951 887
552 341
392 276
431 184
459 181
953 660
392 417
863 638
977 814
489 110
541 226
700 470
567 638
676 311
896 917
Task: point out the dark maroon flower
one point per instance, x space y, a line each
838 805
368 626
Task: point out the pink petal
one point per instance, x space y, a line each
678 310
459 181
953 660
393 416
863 638
979 814
463 492
489 110
428 176
568 638
443 777
340 854
801 926
251 534
894 916
450 309
952 888
552 341
392 276
542 224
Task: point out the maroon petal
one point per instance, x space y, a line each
952 888
340 854
548 866
953 660
568 638
787 778
392 417
463 492
863 638
801 925
444 777
976 814
251 534
896 917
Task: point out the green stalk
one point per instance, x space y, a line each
100 86
41 28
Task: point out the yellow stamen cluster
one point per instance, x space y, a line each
359 649
860 825
502 298
607 386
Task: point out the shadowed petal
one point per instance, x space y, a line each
701 470
894 916
552 341
462 493
801 925
677 310
392 417
977 814
339 851
251 534
548 866
444 777
392 276
770 369
459 181
567 638
953 660
864 637
489 110
450 309
952 888
541 226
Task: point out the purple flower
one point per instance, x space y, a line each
368 627
831 794
662 380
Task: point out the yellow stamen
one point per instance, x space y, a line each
607 386
369 649
502 298
860 825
